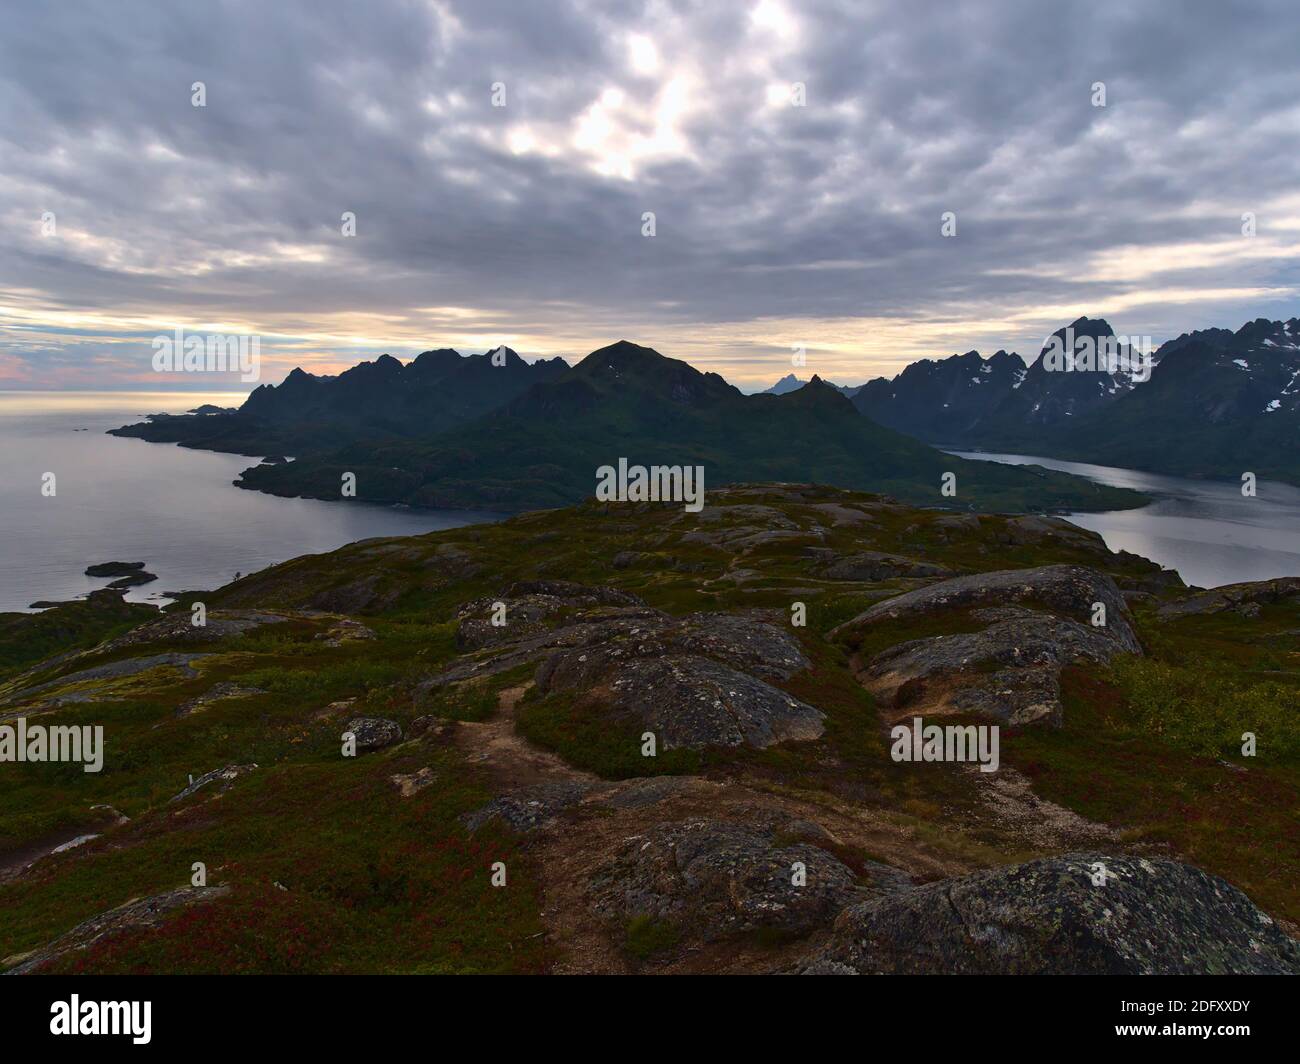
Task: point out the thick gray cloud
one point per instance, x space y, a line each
776 224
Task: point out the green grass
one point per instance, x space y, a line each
590 739
1242 825
1207 711
474 700
325 683
27 638
645 936
373 882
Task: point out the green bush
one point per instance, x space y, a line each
1205 711
647 936
591 739
325 681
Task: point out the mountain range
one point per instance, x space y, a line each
493 431
383 400
967 398
539 437
1210 403
542 447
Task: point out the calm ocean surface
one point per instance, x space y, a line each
177 510
128 500
1205 529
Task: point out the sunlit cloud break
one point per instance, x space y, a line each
464 181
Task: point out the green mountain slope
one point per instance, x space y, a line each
625 401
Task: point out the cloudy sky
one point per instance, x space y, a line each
127 211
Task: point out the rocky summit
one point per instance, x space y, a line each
624 738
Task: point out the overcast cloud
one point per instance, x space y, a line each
776 225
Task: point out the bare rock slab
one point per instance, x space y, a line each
1070 590
1048 917
711 878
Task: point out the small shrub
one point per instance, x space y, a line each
645 936
1204 711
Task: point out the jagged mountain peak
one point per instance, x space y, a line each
387 398
1084 325
821 394
788 383
791 383
495 355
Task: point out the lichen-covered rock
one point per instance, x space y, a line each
428 727
1012 696
1070 590
1245 599
840 515
527 608
582 628
1009 671
1049 917
710 878
755 541
956 524
113 670
540 805
766 517
1035 530
223 776
409 784
373 733
637 559
743 641
876 565
179 627
220 692
532 807
651 790
690 701
695 680
344 630
741 527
